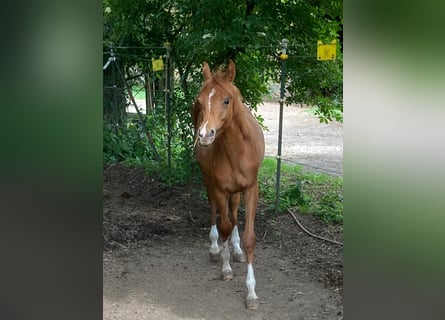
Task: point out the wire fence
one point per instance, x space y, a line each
145 58
121 53
293 161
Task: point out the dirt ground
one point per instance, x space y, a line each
156 263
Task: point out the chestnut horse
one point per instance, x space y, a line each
230 151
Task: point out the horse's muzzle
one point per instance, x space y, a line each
206 138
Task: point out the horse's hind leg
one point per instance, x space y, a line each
215 249
238 254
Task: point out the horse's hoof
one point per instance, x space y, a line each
252 304
214 257
239 257
227 275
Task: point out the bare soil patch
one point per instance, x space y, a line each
156 264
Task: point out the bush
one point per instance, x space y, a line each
125 143
128 142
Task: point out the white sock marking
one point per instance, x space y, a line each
214 247
250 283
225 256
235 240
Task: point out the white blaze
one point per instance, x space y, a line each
203 129
211 94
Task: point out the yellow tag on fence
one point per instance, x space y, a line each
157 64
327 51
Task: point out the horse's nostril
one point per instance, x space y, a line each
212 132
201 133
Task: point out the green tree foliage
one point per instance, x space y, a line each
249 32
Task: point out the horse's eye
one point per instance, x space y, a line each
226 101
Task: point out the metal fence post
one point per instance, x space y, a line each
283 56
167 46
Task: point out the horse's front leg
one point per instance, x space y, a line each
225 229
238 254
249 241
215 249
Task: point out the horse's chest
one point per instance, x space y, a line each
230 176
232 180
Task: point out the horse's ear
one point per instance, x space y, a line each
206 71
231 71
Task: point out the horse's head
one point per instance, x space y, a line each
214 105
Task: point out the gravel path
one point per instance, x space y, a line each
305 140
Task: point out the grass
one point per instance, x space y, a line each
313 193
